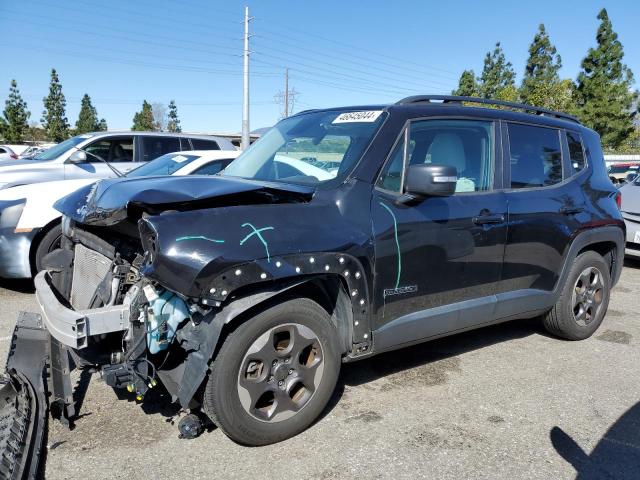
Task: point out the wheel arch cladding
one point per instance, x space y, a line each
608 241
202 340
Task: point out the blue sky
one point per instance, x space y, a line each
339 53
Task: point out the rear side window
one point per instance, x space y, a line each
200 144
576 153
536 157
153 147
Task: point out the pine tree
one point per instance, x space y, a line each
497 74
173 125
102 125
88 117
467 85
54 120
15 126
541 84
603 95
143 120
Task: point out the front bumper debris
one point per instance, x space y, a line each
33 358
73 327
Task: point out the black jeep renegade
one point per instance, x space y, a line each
340 234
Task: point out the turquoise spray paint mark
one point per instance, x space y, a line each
256 231
395 232
198 237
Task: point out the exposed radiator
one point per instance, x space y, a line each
89 269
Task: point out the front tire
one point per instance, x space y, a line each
48 244
274 374
584 299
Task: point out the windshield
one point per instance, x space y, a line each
311 148
57 150
165 165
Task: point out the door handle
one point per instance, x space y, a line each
488 218
571 210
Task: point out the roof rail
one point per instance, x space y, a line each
486 101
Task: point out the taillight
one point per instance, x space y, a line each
14 156
619 200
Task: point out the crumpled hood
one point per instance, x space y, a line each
111 201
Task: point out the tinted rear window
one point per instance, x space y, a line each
200 144
536 157
153 147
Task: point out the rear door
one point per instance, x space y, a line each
545 204
154 146
439 260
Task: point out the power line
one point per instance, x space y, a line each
348 75
174 44
351 59
359 48
185 68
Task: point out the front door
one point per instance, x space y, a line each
438 260
118 151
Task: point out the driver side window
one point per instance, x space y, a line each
466 145
110 149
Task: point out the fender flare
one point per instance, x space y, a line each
610 233
202 339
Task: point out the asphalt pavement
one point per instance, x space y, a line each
503 402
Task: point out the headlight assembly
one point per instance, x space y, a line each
10 212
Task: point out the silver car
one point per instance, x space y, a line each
84 156
631 212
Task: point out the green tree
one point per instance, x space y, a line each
143 120
467 85
541 84
54 120
497 74
88 116
16 115
603 95
102 125
173 125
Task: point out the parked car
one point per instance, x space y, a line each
243 293
33 150
618 172
631 212
7 153
30 227
85 156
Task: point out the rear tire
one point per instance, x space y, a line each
583 301
274 374
48 243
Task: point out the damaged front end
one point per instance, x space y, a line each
104 307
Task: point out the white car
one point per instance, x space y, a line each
7 153
90 155
30 226
292 167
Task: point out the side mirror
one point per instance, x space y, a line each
79 156
428 180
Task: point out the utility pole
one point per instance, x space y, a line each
286 98
286 92
245 87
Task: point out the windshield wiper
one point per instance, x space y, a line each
113 169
